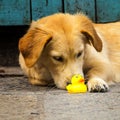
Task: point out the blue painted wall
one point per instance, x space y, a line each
85 6
41 8
107 10
14 12
22 12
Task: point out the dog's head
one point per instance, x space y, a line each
59 42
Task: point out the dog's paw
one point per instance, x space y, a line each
97 85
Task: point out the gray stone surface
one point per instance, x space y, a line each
21 101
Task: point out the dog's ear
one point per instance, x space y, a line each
87 28
32 43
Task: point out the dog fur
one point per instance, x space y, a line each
58 46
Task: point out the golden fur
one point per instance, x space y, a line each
61 45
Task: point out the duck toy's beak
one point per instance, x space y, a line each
77 85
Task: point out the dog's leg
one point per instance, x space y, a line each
97 78
39 76
96 84
36 81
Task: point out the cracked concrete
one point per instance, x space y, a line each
19 100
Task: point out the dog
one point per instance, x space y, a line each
60 45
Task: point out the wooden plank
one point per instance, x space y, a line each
14 12
108 10
85 6
41 8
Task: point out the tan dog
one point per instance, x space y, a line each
61 45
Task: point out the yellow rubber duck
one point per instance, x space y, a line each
77 85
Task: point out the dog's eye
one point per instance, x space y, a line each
58 58
79 54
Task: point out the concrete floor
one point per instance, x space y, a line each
21 101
